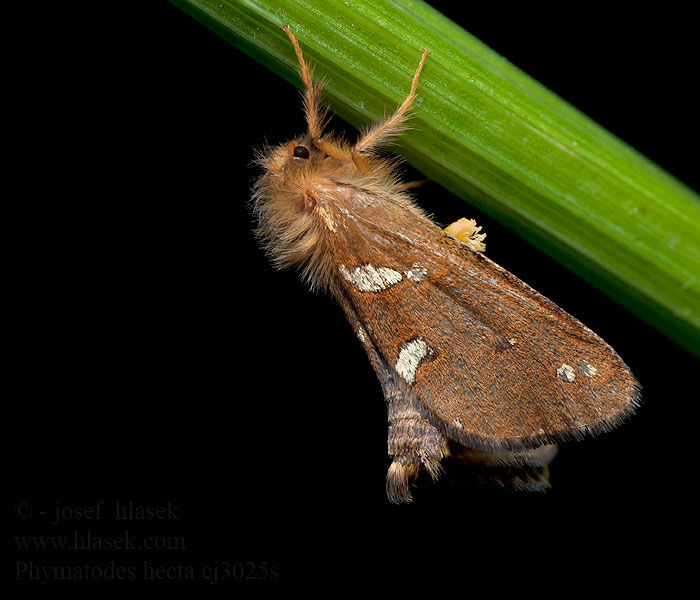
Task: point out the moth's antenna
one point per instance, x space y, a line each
315 111
382 133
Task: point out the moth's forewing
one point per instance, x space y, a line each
493 363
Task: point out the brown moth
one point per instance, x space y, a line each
473 362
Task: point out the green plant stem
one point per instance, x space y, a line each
491 134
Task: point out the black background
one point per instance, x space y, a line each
161 359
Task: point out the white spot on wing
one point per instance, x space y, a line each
587 369
370 279
409 358
416 272
326 218
566 373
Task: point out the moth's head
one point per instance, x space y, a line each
287 170
297 158
295 155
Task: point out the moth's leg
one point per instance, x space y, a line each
361 163
408 185
467 231
413 443
382 133
315 110
364 167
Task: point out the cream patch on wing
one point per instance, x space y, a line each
587 369
330 224
416 272
409 359
566 373
370 279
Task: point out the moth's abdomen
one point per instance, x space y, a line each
413 443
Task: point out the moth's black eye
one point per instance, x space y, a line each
301 152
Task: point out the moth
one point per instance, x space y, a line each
473 363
